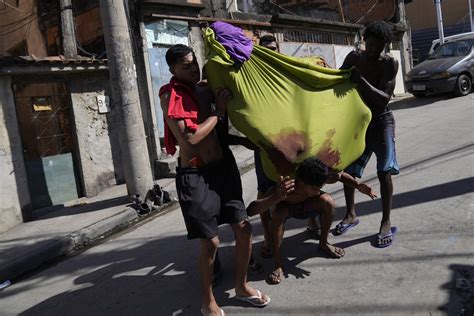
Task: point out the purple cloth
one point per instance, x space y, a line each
237 45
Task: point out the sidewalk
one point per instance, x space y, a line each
56 233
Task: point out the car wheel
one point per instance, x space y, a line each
463 85
419 95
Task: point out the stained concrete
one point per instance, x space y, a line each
96 134
14 196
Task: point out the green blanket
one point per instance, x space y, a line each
290 108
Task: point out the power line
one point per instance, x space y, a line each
368 12
13 7
18 28
279 6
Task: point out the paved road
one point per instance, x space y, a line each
150 269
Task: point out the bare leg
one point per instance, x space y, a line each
278 229
386 192
325 204
265 218
351 216
243 248
206 263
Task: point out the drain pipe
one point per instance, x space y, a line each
245 6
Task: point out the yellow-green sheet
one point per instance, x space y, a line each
290 108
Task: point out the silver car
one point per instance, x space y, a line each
449 69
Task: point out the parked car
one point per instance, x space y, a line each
435 43
449 69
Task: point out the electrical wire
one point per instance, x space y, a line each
18 28
281 8
18 21
368 12
11 6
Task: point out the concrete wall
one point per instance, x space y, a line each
15 206
98 153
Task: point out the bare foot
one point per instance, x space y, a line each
333 251
385 229
275 276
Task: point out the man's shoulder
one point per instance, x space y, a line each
354 56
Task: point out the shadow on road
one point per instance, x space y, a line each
416 102
461 291
428 194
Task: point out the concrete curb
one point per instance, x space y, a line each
60 246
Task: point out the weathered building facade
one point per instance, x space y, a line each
59 127
59 130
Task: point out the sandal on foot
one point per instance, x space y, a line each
342 227
275 277
384 241
203 313
255 300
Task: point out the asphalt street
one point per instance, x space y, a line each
150 269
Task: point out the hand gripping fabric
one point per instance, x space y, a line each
290 108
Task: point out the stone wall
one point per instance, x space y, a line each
98 153
15 206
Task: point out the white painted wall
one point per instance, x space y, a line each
334 56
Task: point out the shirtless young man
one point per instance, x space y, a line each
374 73
207 180
302 199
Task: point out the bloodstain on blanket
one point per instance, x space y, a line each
327 154
287 146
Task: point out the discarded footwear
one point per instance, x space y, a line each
255 300
275 276
384 241
203 313
342 227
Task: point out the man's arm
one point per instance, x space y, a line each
242 141
349 180
275 195
377 98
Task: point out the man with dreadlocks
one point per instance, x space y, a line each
374 71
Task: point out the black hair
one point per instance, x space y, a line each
380 30
313 171
266 39
176 53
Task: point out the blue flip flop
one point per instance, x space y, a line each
342 227
386 240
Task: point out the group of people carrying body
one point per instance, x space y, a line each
208 180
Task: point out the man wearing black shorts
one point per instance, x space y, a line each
208 181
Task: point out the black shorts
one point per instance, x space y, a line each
210 196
